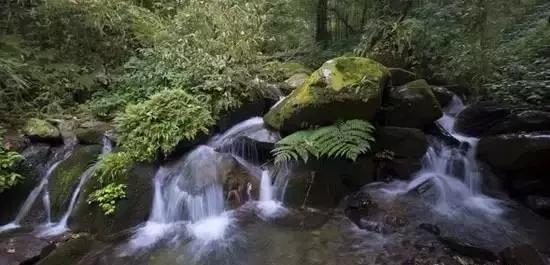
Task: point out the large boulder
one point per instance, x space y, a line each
71 251
130 211
323 183
400 76
42 131
343 88
444 96
400 151
513 152
296 81
412 105
489 118
66 175
21 249
92 132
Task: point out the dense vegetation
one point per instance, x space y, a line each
164 71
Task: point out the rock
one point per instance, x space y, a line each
437 130
130 211
405 148
21 249
523 254
489 118
244 112
513 152
342 89
42 131
467 249
92 132
236 180
296 80
16 143
400 76
357 207
332 179
412 105
72 251
66 175
431 228
539 204
443 95
302 219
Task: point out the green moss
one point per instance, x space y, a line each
68 173
344 79
41 128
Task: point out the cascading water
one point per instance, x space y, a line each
53 229
190 192
41 188
450 175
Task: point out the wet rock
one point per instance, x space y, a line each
71 251
92 132
437 130
514 152
357 206
130 211
244 112
66 175
400 76
38 130
539 204
303 218
443 95
431 228
488 118
339 90
521 255
21 249
412 105
467 249
399 151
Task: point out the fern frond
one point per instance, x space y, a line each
346 139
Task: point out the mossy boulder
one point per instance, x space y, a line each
92 132
413 105
296 80
66 175
130 211
42 131
342 89
400 76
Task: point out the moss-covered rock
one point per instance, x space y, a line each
66 175
400 76
413 105
130 211
343 88
92 133
72 251
296 80
42 131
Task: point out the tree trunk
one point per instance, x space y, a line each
322 34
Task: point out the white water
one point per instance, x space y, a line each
54 229
41 188
267 204
189 192
449 175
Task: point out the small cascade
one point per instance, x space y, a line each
53 229
450 177
41 188
267 204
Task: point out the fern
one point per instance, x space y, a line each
346 139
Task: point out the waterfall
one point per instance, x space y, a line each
189 191
450 177
41 188
53 229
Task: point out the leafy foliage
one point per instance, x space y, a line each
160 123
112 167
107 197
8 160
347 139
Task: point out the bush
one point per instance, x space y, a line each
160 123
8 160
107 197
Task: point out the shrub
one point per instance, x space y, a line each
160 123
8 160
107 197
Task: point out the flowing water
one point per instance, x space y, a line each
450 176
41 188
